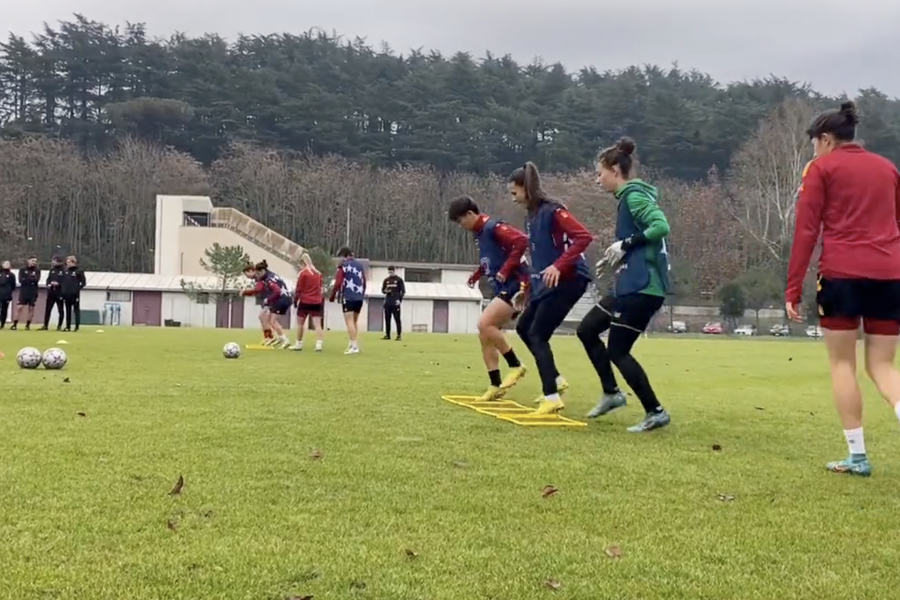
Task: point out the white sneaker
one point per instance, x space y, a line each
318 346
351 350
269 342
297 346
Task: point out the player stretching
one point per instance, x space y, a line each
853 197
350 283
641 264
501 250
309 301
276 302
558 281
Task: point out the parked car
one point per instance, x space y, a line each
745 330
677 327
780 330
814 331
713 329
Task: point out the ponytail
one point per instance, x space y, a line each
528 177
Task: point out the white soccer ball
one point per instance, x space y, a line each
231 350
29 358
54 359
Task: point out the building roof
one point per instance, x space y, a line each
166 283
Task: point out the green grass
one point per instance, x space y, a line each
414 498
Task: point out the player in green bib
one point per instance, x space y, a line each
640 261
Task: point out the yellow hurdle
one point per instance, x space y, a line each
513 412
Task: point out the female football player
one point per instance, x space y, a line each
501 255
276 300
310 302
559 276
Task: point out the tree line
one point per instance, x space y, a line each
298 130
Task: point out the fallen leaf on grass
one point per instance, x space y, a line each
548 491
66 380
81 414
411 554
460 464
725 497
179 485
614 552
716 448
299 598
357 585
172 525
315 454
552 584
759 408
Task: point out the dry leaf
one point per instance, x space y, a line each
548 491
411 554
172 525
552 584
614 552
81 414
716 448
759 408
299 598
460 464
356 584
725 497
315 454
179 485
66 380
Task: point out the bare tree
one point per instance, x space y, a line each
765 176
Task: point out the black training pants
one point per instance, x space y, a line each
392 311
540 319
57 301
73 306
626 319
4 311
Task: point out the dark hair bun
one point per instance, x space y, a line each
848 109
625 146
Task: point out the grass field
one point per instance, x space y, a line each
333 477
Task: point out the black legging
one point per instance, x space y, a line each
73 305
540 319
57 301
626 319
4 311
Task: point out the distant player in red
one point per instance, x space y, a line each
309 299
268 338
852 197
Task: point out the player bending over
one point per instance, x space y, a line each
277 302
350 284
310 302
250 273
853 197
641 267
558 280
501 254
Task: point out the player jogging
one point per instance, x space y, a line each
559 277
350 284
639 259
310 302
853 197
501 254
277 302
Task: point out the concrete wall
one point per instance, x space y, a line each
169 219
193 242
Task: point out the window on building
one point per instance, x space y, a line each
196 219
118 296
422 276
202 298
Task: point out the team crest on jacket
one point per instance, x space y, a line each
485 264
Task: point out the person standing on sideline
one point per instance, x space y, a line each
640 261
54 279
851 197
7 287
393 289
350 284
29 278
310 302
72 282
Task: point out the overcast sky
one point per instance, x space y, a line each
837 45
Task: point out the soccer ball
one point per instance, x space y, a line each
231 350
29 358
54 359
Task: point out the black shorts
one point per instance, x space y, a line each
634 311
352 306
281 307
507 297
310 310
27 298
845 303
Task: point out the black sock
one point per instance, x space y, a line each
495 377
511 359
637 379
